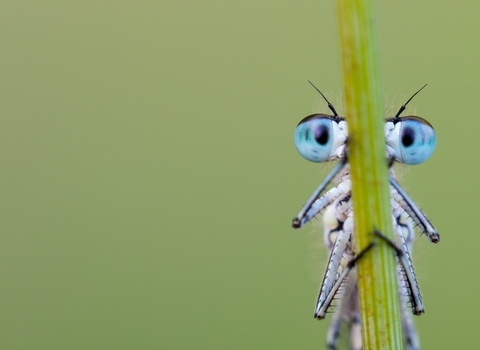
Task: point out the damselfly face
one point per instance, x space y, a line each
323 138
320 138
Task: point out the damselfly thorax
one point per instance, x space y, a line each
322 138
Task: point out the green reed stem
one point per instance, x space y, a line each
377 279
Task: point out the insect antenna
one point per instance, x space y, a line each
406 103
335 114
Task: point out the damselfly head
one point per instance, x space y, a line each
410 139
321 137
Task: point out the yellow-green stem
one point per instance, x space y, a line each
377 279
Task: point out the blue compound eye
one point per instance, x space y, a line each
415 140
317 138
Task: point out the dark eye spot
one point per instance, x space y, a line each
408 137
321 135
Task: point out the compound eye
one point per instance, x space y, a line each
415 141
317 138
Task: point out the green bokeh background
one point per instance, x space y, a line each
149 177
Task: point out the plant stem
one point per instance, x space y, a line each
377 278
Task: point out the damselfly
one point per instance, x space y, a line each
321 138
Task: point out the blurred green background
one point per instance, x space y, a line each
149 177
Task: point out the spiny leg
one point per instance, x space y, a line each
300 220
405 261
402 198
410 335
348 309
341 252
327 293
308 213
331 279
